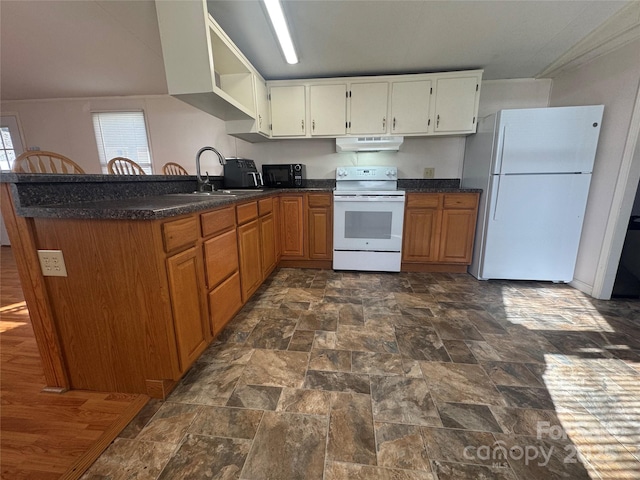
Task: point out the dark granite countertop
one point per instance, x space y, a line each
441 190
140 208
151 196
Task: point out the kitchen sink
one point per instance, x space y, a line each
202 195
242 190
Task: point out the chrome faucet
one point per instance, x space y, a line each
205 184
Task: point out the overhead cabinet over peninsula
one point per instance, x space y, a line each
204 68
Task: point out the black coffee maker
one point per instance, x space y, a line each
241 173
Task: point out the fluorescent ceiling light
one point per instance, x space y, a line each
274 9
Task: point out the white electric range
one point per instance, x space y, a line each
368 217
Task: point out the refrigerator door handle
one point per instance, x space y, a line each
502 142
494 207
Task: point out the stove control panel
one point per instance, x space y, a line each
366 173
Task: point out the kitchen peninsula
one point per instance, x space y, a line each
154 273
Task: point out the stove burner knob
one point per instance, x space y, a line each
341 172
389 173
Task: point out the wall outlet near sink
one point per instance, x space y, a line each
429 172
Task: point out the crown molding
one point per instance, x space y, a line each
622 28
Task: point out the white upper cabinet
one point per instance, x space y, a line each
288 111
410 102
203 66
328 109
456 104
368 108
263 114
422 104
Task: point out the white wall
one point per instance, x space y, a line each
611 80
178 130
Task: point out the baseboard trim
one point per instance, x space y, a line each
583 287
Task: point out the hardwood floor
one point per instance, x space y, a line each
46 435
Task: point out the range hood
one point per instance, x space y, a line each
368 144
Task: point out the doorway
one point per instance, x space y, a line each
11 147
627 282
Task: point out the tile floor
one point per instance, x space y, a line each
328 375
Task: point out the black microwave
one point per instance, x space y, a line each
289 175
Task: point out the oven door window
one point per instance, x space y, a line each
368 225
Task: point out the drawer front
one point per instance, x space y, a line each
247 212
319 200
220 257
179 233
224 302
460 200
217 221
265 206
428 200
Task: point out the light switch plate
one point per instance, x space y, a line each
52 263
429 172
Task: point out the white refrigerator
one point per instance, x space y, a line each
534 167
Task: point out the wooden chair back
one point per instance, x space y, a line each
45 162
171 168
124 166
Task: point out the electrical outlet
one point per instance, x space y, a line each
429 172
52 263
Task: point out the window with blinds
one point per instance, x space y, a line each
122 134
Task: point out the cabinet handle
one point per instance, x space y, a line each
313 125
302 124
394 123
260 121
384 123
437 121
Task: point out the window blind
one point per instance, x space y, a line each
122 134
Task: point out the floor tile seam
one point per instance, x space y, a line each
174 451
384 467
251 448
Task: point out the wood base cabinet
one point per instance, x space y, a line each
221 261
225 301
190 322
438 231
249 249
306 230
320 226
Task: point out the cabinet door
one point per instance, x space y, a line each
320 234
420 241
410 106
224 302
262 107
368 108
456 104
320 226
456 238
292 226
250 258
328 108
189 314
268 239
288 111
276 221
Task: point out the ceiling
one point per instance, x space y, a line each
58 49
